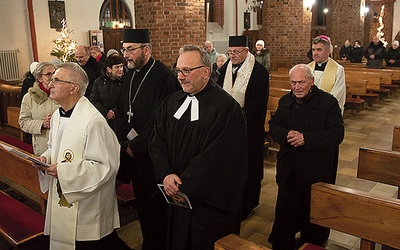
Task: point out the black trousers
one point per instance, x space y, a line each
150 203
111 241
292 214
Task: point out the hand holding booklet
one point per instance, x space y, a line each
24 155
180 199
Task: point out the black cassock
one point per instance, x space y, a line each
210 157
145 92
255 108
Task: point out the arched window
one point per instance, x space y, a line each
114 14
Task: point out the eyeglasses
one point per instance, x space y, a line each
186 72
57 81
130 49
48 75
235 52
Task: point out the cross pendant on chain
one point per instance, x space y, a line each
130 114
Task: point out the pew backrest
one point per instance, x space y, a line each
21 172
396 139
357 213
379 165
235 242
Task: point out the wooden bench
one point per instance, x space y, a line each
380 166
358 89
20 223
235 242
376 81
274 95
396 139
373 219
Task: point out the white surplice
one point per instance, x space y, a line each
87 157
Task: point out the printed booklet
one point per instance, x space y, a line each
24 155
180 199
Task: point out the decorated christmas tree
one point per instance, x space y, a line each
63 47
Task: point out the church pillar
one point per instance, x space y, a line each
286 29
344 20
172 24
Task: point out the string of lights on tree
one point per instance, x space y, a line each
63 47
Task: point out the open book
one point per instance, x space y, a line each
21 154
180 199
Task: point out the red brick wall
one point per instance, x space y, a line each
172 24
286 30
344 22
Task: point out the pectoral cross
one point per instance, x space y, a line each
130 114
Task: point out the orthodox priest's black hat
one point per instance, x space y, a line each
136 36
238 41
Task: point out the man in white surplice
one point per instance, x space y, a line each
83 155
328 74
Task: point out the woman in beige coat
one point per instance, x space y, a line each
37 108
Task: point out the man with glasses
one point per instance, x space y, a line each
145 85
248 82
83 157
89 65
199 148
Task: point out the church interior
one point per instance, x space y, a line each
41 30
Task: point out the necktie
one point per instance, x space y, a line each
194 112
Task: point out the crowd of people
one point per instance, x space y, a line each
375 53
194 132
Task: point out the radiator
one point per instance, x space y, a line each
9 65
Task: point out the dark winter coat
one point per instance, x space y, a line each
380 53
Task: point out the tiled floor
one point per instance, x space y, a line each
370 128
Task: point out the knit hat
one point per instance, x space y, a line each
33 67
261 42
112 52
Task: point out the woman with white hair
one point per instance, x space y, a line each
262 54
393 55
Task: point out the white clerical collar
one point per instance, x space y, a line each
320 64
194 111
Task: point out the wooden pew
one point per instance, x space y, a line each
280 84
380 166
396 139
385 79
358 89
20 223
357 213
235 242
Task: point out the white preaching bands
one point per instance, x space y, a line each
194 111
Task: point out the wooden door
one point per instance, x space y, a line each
112 39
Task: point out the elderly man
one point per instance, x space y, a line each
329 75
211 51
309 127
145 86
393 55
89 65
83 155
199 148
375 53
248 82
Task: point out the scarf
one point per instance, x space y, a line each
238 88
